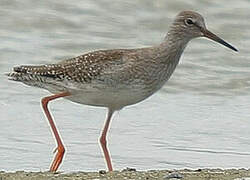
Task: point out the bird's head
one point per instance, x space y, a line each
189 25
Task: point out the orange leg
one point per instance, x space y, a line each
104 142
60 148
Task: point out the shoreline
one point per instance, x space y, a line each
132 174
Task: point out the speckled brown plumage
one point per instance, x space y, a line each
113 68
82 69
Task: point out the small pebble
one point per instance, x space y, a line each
173 175
198 170
102 172
129 169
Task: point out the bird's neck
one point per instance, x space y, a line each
172 47
175 41
168 54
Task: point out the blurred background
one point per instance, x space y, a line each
199 119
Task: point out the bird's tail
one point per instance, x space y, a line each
19 73
25 73
42 76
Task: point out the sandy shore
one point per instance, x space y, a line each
132 174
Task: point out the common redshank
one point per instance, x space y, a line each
114 78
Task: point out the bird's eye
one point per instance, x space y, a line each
189 21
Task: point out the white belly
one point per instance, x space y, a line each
111 95
111 99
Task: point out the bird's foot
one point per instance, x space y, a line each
58 158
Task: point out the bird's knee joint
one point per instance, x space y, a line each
44 101
103 140
61 149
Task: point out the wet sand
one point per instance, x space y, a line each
132 174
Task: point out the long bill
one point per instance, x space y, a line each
212 36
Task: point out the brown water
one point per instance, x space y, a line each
199 119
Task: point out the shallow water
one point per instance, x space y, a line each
199 119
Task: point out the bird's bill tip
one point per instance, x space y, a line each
213 37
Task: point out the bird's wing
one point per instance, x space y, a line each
83 68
